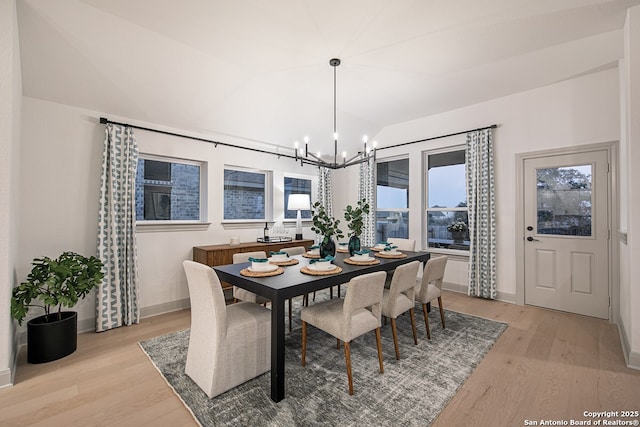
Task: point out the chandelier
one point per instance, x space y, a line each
307 157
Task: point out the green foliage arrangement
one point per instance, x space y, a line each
324 224
59 282
457 226
354 216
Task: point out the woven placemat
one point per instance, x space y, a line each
383 255
355 262
342 251
292 261
311 256
306 270
249 273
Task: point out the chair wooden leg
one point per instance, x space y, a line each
304 341
426 320
290 310
395 338
379 344
347 357
441 311
413 326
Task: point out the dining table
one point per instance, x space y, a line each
293 282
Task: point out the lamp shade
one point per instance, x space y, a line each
299 202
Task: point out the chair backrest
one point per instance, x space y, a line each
208 308
403 244
403 281
244 256
364 291
434 272
295 250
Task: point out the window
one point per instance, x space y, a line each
245 194
168 189
446 211
392 199
296 186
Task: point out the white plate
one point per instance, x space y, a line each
392 252
272 259
271 267
311 253
315 267
362 259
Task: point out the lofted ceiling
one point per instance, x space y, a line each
258 71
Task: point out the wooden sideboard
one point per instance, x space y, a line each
212 255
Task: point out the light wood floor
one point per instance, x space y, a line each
546 365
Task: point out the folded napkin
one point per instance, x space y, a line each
314 247
327 258
362 252
278 253
383 243
343 243
390 248
258 259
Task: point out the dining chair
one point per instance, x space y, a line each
240 294
400 298
403 244
358 313
228 345
430 287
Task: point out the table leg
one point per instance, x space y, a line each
277 349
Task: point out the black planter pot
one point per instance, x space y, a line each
52 340
354 244
327 247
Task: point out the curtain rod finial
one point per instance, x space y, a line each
103 120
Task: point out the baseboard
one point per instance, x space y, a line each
632 358
167 307
6 379
464 289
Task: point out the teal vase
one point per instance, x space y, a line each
354 244
327 247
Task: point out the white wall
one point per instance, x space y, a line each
580 111
629 317
62 148
10 101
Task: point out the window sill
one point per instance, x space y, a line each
453 255
154 226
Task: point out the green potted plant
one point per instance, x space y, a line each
326 226
53 284
457 230
355 222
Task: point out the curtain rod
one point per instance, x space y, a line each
437 137
302 160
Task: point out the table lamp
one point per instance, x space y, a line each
299 202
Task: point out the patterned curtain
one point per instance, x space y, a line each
366 190
117 298
324 189
482 221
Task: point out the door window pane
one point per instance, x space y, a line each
564 200
244 194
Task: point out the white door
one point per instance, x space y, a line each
566 203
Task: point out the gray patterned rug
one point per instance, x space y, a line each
411 392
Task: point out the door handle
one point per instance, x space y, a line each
531 239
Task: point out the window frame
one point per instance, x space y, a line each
425 206
268 196
145 225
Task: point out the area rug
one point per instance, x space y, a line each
411 392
